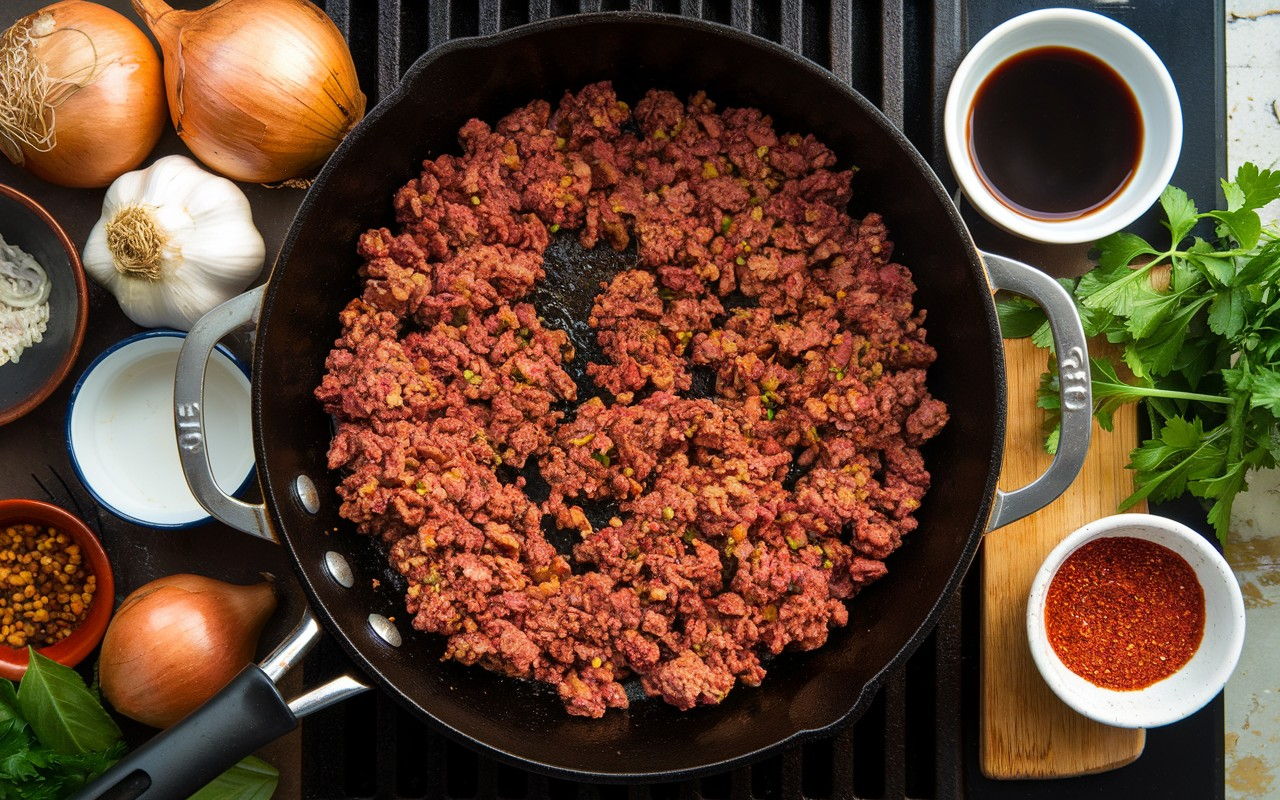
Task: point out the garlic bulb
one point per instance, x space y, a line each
173 242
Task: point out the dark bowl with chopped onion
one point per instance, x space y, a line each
55 563
43 308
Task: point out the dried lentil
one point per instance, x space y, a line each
1124 613
45 586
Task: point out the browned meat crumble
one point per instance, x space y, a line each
749 268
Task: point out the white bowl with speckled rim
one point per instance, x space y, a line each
1200 679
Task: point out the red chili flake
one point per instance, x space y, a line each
1123 613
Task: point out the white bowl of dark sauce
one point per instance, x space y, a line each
1062 126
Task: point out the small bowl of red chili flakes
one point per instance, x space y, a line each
56 586
1135 621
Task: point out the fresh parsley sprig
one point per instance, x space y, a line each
1197 330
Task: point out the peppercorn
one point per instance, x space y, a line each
47 586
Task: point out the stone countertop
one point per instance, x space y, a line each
1252 765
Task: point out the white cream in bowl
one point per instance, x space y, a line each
121 433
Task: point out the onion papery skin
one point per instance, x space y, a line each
110 125
176 641
259 90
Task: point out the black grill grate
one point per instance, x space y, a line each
908 744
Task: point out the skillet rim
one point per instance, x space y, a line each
275 493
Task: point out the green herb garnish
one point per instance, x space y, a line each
55 736
251 779
1198 326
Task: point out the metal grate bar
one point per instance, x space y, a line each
793 25
539 9
440 22
841 32
892 64
895 736
949 758
340 12
389 50
948 50
490 16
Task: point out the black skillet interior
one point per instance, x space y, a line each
315 276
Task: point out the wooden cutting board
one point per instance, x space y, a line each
1026 731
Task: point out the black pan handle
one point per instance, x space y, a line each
246 714
1075 387
188 413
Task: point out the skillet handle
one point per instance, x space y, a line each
246 714
188 413
1075 387
174 764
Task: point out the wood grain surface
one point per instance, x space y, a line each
1026 731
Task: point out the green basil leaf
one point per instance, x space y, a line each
251 779
62 712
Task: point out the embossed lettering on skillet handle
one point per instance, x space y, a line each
1075 393
188 396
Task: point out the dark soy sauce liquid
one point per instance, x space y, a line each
1055 133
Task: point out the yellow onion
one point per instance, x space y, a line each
260 90
176 641
81 94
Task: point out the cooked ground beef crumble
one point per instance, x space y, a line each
744 519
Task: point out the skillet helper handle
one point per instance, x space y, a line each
188 413
1075 391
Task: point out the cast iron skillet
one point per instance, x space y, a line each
296 315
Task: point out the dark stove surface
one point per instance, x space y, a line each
919 738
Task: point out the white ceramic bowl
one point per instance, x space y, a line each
1131 58
122 439
1191 687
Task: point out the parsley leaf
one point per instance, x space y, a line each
1257 187
1198 327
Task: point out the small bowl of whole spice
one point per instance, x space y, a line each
1135 621
56 586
